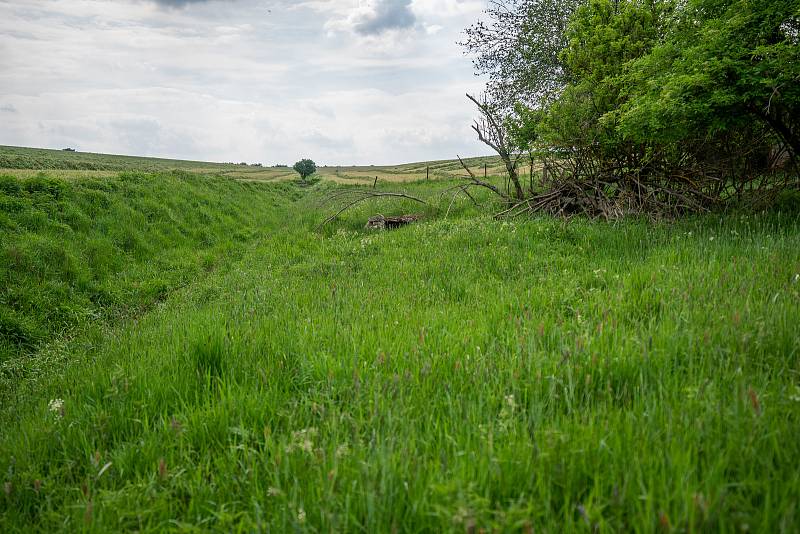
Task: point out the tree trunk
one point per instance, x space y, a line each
512 173
784 130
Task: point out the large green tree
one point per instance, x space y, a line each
604 38
305 168
648 103
724 64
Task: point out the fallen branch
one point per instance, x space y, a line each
362 196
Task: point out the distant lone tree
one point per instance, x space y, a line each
305 168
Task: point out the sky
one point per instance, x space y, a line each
343 82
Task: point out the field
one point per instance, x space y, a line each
30 161
183 349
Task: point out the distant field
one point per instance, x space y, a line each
29 161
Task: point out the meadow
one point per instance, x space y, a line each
185 350
27 162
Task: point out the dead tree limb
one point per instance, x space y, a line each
479 182
491 133
460 188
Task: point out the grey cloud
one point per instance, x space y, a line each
387 15
8 108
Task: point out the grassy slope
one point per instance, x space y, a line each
455 373
75 251
46 159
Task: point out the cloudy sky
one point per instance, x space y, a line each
340 81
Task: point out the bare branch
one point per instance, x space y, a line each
491 133
480 182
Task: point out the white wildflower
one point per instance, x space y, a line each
301 516
303 440
507 412
56 406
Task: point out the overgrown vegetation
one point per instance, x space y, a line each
646 106
459 374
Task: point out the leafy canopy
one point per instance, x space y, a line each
724 64
692 102
518 45
305 168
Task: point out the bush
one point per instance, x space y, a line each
672 106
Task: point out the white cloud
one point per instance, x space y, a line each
427 9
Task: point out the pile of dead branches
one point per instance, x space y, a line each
609 188
580 179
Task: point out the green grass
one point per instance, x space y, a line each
73 252
458 374
44 159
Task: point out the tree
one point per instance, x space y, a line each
492 133
726 65
519 47
305 168
660 106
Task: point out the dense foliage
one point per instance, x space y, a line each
665 105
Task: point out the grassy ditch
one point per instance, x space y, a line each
454 375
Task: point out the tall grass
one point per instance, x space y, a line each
455 375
